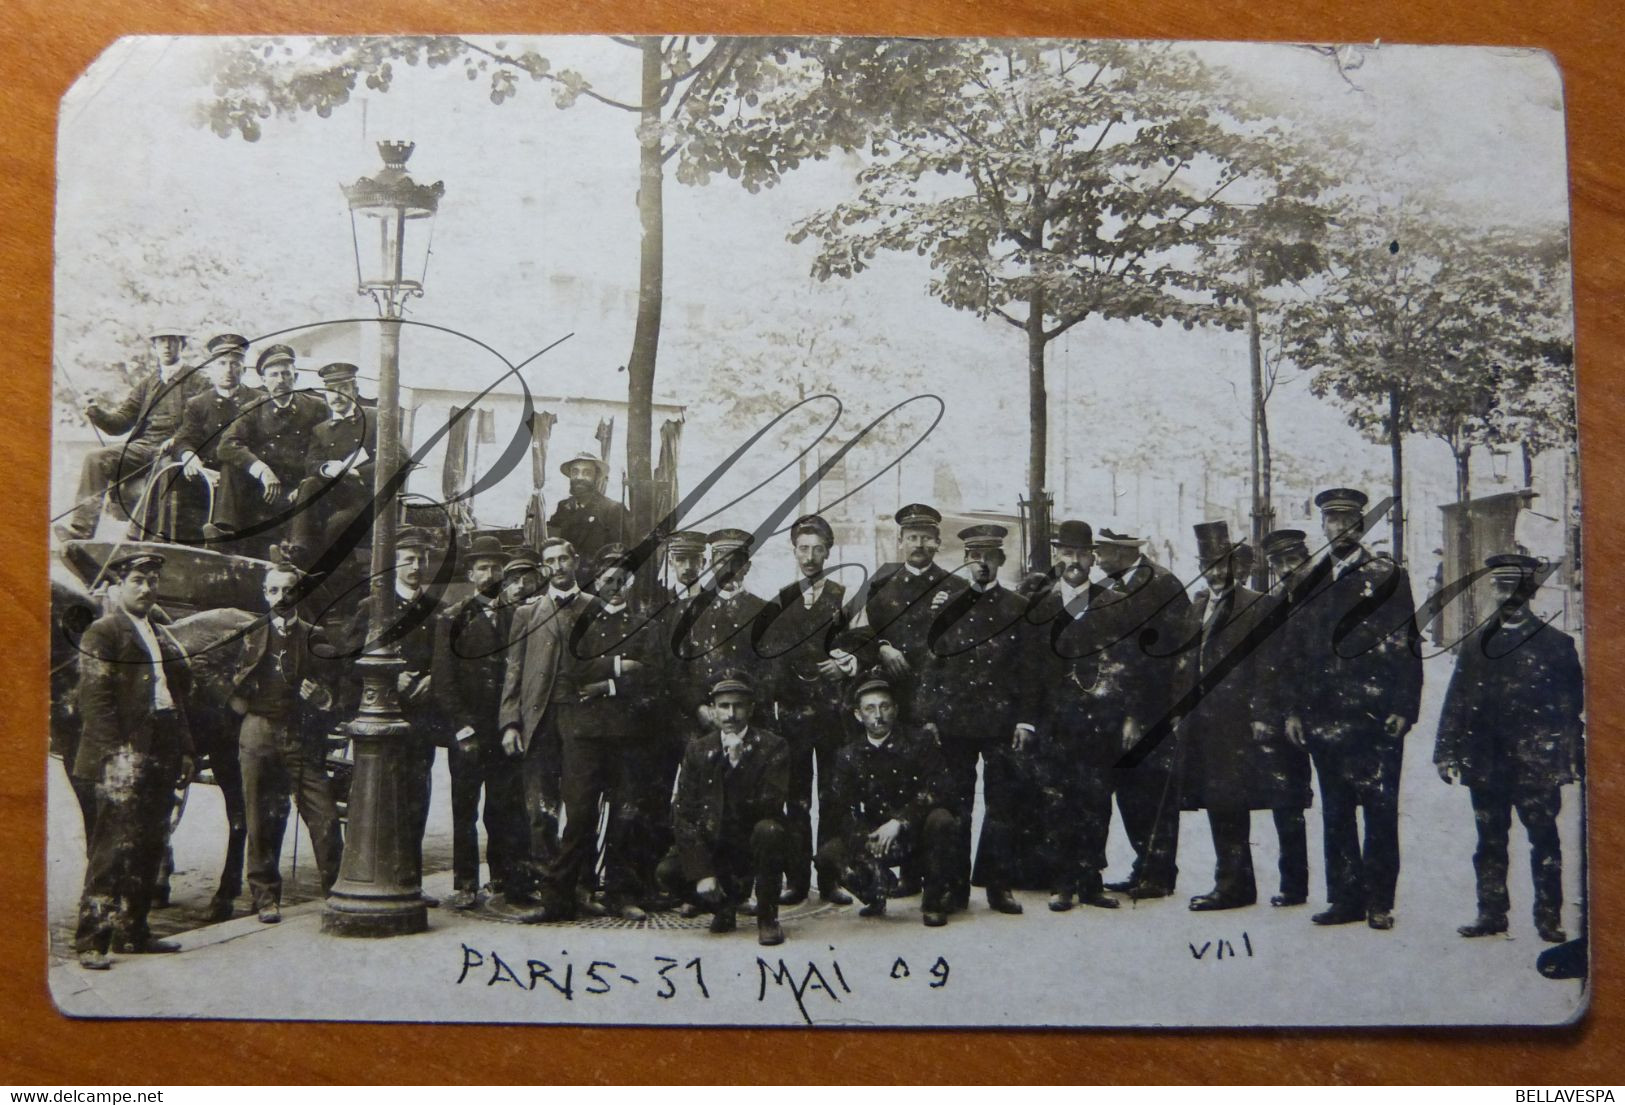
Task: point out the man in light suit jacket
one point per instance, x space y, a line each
536 644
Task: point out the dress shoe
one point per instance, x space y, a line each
1551 933
630 912
934 919
151 946
793 895
270 914
1001 901
1338 915
768 932
876 908
1485 924
835 896
220 909
590 907
212 532
1289 899
1060 902
1099 899
462 900
724 920
1380 919
1143 891
95 961
689 910
1208 903
1123 886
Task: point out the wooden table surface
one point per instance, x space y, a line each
44 44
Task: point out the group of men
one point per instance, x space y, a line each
721 752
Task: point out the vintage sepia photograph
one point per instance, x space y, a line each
693 530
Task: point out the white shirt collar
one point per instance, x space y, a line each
1070 594
882 742
614 608
405 593
913 571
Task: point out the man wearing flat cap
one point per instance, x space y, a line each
1356 692
1511 731
805 625
972 691
263 455
728 815
150 417
889 806
714 632
1236 758
589 519
902 600
338 481
207 417
1148 798
470 660
679 694
521 577
135 748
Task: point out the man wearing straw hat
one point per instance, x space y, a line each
589 519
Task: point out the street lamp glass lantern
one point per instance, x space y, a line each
391 261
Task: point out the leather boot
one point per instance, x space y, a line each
768 932
724 919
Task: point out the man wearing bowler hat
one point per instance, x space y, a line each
1356 693
338 481
589 519
1148 793
263 455
1511 731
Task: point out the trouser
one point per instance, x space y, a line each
277 762
1001 787
121 467
1077 808
1359 878
1233 854
480 764
1294 841
134 791
240 508
741 861
933 851
594 772
325 508
1537 809
651 774
84 792
541 770
419 784
1148 800
815 735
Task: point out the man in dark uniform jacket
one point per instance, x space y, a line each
278 688
1236 757
150 416
204 423
1511 731
470 659
680 694
715 631
1148 793
888 800
338 484
589 519
263 456
728 816
1357 690
1079 683
901 602
134 749
803 624
971 690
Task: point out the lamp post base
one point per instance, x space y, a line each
370 916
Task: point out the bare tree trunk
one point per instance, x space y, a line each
1466 562
1260 443
640 366
1396 451
1528 464
1038 441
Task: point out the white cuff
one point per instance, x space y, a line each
617 669
612 688
258 469
1024 725
845 660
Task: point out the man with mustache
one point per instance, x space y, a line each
209 415
589 519
338 484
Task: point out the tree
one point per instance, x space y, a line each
1047 183
686 86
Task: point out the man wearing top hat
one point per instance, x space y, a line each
1236 757
1148 798
889 806
1357 691
589 519
338 481
971 689
728 814
135 748
280 689
902 600
150 416
1080 688
1511 731
470 660
803 624
263 456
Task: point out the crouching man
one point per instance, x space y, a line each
728 816
888 802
